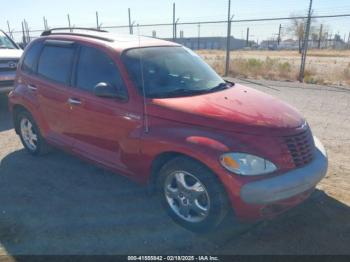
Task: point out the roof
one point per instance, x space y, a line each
116 41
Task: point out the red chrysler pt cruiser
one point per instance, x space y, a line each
153 111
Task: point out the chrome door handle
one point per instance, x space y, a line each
73 101
32 88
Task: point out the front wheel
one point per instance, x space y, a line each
192 195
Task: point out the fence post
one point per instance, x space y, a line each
23 35
131 31
305 45
247 40
26 30
228 44
46 24
177 20
279 34
9 28
174 14
199 36
97 21
44 21
320 37
69 24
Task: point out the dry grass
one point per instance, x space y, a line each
329 67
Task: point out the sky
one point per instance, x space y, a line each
115 12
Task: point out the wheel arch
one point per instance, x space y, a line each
16 109
161 159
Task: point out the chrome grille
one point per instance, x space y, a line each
7 69
8 65
301 148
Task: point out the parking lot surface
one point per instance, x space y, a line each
58 204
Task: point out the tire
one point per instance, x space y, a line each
199 206
27 127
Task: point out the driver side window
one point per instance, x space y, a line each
94 67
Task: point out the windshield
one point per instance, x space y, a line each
5 42
171 72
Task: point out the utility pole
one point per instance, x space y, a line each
97 21
174 14
320 37
279 34
349 41
228 44
69 24
247 41
131 30
305 45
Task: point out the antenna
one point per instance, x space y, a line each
145 115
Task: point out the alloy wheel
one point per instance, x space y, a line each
30 137
187 196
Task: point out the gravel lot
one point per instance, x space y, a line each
58 204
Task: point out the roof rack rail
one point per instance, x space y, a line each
71 29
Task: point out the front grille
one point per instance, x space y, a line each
301 148
8 65
7 83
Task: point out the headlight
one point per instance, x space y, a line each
246 165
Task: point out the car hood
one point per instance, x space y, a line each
11 53
238 109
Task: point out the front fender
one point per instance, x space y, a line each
204 146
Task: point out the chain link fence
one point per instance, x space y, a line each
266 48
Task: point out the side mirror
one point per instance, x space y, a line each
107 90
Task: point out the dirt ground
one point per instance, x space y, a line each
322 66
58 204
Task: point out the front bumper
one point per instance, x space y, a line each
288 185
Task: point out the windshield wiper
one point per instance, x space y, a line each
178 92
190 92
219 87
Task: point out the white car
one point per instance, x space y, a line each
10 53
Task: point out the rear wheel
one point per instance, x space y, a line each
30 134
192 195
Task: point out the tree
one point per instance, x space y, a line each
297 29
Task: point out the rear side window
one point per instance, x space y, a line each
31 58
55 63
95 67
